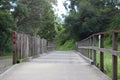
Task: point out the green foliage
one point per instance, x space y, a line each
7 26
35 17
108 58
115 24
6 5
89 17
107 63
47 29
61 36
21 12
68 45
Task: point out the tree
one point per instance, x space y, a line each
7 26
89 17
6 5
53 1
47 29
20 13
35 18
115 24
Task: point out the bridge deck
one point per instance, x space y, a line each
58 65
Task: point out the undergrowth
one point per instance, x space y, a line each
68 45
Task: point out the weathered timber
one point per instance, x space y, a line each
114 57
88 45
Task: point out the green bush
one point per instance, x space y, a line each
68 45
7 26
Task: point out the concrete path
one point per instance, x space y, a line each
57 65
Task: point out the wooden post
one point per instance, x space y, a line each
18 46
85 49
114 58
94 44
87 42
23 47
101 38
32 46
90 49
76 45
20 43
14 45
40 46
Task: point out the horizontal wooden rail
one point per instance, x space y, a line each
26 46
107 51
100 33
88 48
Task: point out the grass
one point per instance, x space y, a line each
108 60
107 63
6 55
69 45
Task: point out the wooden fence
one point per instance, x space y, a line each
26 46
89 46
51 46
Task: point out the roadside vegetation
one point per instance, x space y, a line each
37 18
68 45
86 17
33 17
108 57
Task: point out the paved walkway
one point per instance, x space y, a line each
58 65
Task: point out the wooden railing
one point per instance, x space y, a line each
89 46
51 46
26 46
